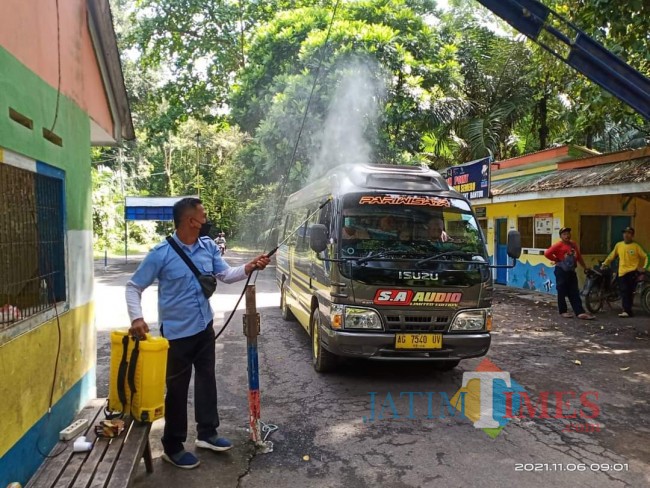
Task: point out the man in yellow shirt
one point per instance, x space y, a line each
632 260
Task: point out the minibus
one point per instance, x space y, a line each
386 262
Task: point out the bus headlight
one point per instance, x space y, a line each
470 320
361 318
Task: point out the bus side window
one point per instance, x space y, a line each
286 229
302 243
292 221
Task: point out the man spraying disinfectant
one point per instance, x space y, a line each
186 321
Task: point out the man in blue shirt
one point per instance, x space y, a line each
186 321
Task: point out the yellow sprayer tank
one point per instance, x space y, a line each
143 372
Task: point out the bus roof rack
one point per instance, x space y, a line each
395 177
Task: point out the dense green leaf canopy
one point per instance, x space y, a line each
220 88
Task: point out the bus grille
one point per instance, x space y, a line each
419 323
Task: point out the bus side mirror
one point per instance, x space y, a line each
318 238
514 244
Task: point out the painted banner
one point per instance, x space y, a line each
471 179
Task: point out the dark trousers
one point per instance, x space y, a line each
197 351
566 283
627 285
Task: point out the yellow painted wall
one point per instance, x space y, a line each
27 370
512 210
641 222
611 205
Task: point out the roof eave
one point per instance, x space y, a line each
585 191
100 24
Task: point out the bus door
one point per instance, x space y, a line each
320 266
301 270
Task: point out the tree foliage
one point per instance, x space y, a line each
219 90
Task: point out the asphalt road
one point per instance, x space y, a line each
323 441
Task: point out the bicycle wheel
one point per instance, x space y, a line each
645 299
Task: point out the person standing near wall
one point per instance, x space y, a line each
566 256
632 261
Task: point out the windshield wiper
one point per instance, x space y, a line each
385 253
447 253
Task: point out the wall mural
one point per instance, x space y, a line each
537 277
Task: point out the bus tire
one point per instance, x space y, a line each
287 314
322 360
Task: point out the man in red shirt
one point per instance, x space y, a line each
566 255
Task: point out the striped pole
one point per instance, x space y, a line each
251 331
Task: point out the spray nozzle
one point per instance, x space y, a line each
328 200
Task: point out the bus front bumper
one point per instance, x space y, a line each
382 346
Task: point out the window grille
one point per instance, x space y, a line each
529 236
32 244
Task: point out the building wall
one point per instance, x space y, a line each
603 206
533 271
28 349
637 209
28 30
642 221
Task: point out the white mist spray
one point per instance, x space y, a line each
350 129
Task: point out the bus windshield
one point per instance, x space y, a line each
395 226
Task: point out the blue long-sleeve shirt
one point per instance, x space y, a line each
183 310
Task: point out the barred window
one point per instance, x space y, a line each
529 236
525 228
32 249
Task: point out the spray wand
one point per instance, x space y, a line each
268 255
274 250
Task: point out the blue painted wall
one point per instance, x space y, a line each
537 277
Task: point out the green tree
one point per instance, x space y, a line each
400 62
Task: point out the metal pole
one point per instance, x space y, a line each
198 165
126 240
251 331
121 165
126 235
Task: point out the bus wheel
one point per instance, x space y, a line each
287 314
322 359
